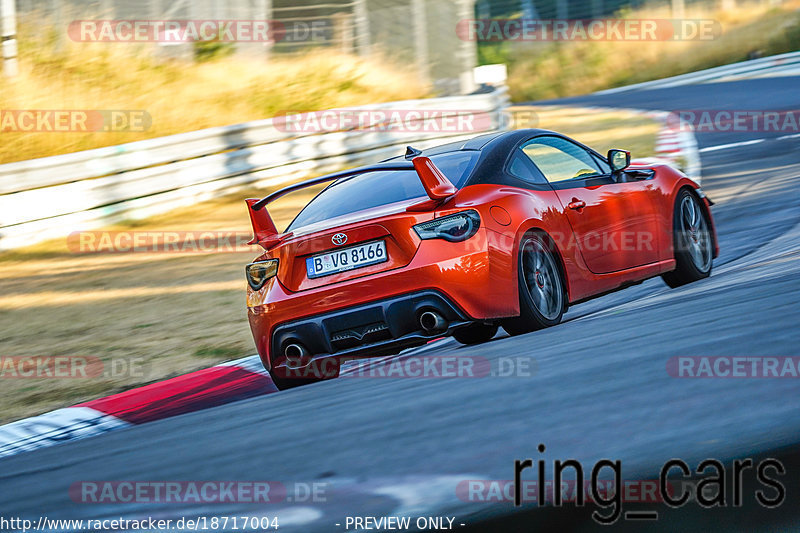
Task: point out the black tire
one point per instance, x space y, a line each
542 294
692 241
475 333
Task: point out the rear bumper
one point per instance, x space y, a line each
462 281
378 328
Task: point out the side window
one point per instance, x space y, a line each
522 168
604 166
561 160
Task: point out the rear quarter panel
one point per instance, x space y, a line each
527 210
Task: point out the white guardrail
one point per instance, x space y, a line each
52 197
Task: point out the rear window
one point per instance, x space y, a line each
374 189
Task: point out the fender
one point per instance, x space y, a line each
684 182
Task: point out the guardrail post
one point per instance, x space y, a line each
562 9
467 50
420 21
265 8
597 8
677 9
9 37
362 27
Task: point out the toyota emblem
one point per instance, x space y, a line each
339 239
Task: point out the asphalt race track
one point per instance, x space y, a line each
600 387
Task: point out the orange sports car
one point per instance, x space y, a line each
503 230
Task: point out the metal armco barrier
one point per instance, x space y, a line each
52 197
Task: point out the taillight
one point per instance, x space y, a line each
458 227
259 272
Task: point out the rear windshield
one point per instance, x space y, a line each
374 189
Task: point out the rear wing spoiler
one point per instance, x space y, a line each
435 183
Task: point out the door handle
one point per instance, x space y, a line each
576 204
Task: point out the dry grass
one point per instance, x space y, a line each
176 312
181 96
541 71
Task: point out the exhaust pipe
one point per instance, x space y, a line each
295 353
432 322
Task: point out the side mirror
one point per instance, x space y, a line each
619 159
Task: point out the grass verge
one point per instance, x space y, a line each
539 71
180 96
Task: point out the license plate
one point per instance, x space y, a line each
346 259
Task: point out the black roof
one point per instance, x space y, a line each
494 149
490 141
